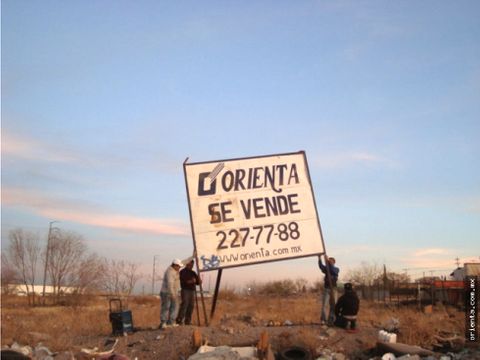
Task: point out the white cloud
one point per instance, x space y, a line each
467 203
431 251
83 213
348 159
22 147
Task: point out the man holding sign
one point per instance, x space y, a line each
329 290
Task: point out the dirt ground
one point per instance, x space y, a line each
330 343
239 321
177 343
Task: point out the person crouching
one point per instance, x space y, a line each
346 309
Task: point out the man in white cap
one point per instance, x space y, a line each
169 293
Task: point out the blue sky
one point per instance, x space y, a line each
103 101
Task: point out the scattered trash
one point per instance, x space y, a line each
428 309
385 336
110 344
288 323
113 357
160 337
228 330
42 353
392 325
409 357
108 351
327 354
273 323
331 332
132 344
388 356
25 350
448 343
249 319
224 353
66 355
399 349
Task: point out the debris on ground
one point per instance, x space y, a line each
36 337
42 352
327 354
448 343
385 336
392 325
25 350
331 332
206 352
399 349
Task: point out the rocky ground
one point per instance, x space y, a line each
177 343
83 332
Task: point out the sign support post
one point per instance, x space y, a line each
215 295
196 256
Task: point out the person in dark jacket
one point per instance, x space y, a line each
346 309
188 282
329 295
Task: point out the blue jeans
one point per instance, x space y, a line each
169 308
325 303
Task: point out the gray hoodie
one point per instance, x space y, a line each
171 279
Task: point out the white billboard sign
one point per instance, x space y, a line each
252 210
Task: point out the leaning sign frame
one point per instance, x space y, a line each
252 210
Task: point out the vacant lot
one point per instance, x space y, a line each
238 321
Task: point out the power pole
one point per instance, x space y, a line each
153 275
457 261
47 253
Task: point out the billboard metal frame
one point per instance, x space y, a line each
219 270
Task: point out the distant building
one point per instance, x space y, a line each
428 279
458 274
472 269
21 289
468 269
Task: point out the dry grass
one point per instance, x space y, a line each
70 327
416 327
61 327
302 310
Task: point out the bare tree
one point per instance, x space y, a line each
9 275
251 287
67 250
397 278
112 282
120 277
366 274
301 285
131 275
23 254
89 274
